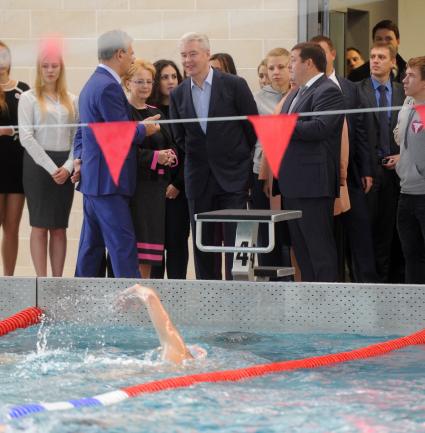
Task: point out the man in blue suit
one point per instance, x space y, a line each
218 154
107 219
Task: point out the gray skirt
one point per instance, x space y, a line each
49 204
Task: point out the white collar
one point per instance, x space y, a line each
112 72
311 81
334 79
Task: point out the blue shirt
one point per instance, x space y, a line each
388 92
201 98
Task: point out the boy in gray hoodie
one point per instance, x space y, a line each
410 135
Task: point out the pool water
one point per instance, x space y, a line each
58 362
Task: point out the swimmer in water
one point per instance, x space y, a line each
173 346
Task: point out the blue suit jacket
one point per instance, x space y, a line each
226 148
103 100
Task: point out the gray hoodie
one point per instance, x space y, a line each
411 138
267 99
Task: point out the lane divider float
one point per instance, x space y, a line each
119 395
25 318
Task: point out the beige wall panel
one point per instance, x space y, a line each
14 24
214 23
138 24
229 4
157 49
77 77
412 30
30 4
69 24
269 44
81 52
24 52
95 4
262 24
245 53
22 74
162 4
287 5
250 76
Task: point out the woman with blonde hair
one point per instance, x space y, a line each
48 161
155 157
12 196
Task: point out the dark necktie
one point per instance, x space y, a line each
384 124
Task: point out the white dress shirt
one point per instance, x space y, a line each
38 140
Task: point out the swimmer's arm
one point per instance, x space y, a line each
174 347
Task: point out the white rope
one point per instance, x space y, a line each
222 119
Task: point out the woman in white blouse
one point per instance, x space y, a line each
48 161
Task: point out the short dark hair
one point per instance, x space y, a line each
325 39
418 62
388 25
313 51
226 61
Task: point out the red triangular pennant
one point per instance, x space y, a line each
274 133
421 110
114 138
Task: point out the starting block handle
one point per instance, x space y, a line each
241 225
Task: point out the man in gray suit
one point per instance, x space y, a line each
380 91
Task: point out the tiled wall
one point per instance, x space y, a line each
246 29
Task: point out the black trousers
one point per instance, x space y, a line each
280 255
358 231
411 228
177 228
313 239
382 202
214 198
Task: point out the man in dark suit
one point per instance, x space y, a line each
309 174
356 221
107 220
218 154
385 32
380 91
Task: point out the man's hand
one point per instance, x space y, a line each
152 128
172 192
367 182
77 168
7 130
392 161
61 175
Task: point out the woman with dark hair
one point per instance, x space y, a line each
224 63
176 213
12 196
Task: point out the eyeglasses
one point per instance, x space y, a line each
168 76
142 82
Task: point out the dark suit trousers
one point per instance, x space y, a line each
382 202
107 222
357 227
177 227
411 226
214 198
313 239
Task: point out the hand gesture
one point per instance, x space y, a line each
152 128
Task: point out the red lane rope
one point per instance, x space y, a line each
23 319
275 367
